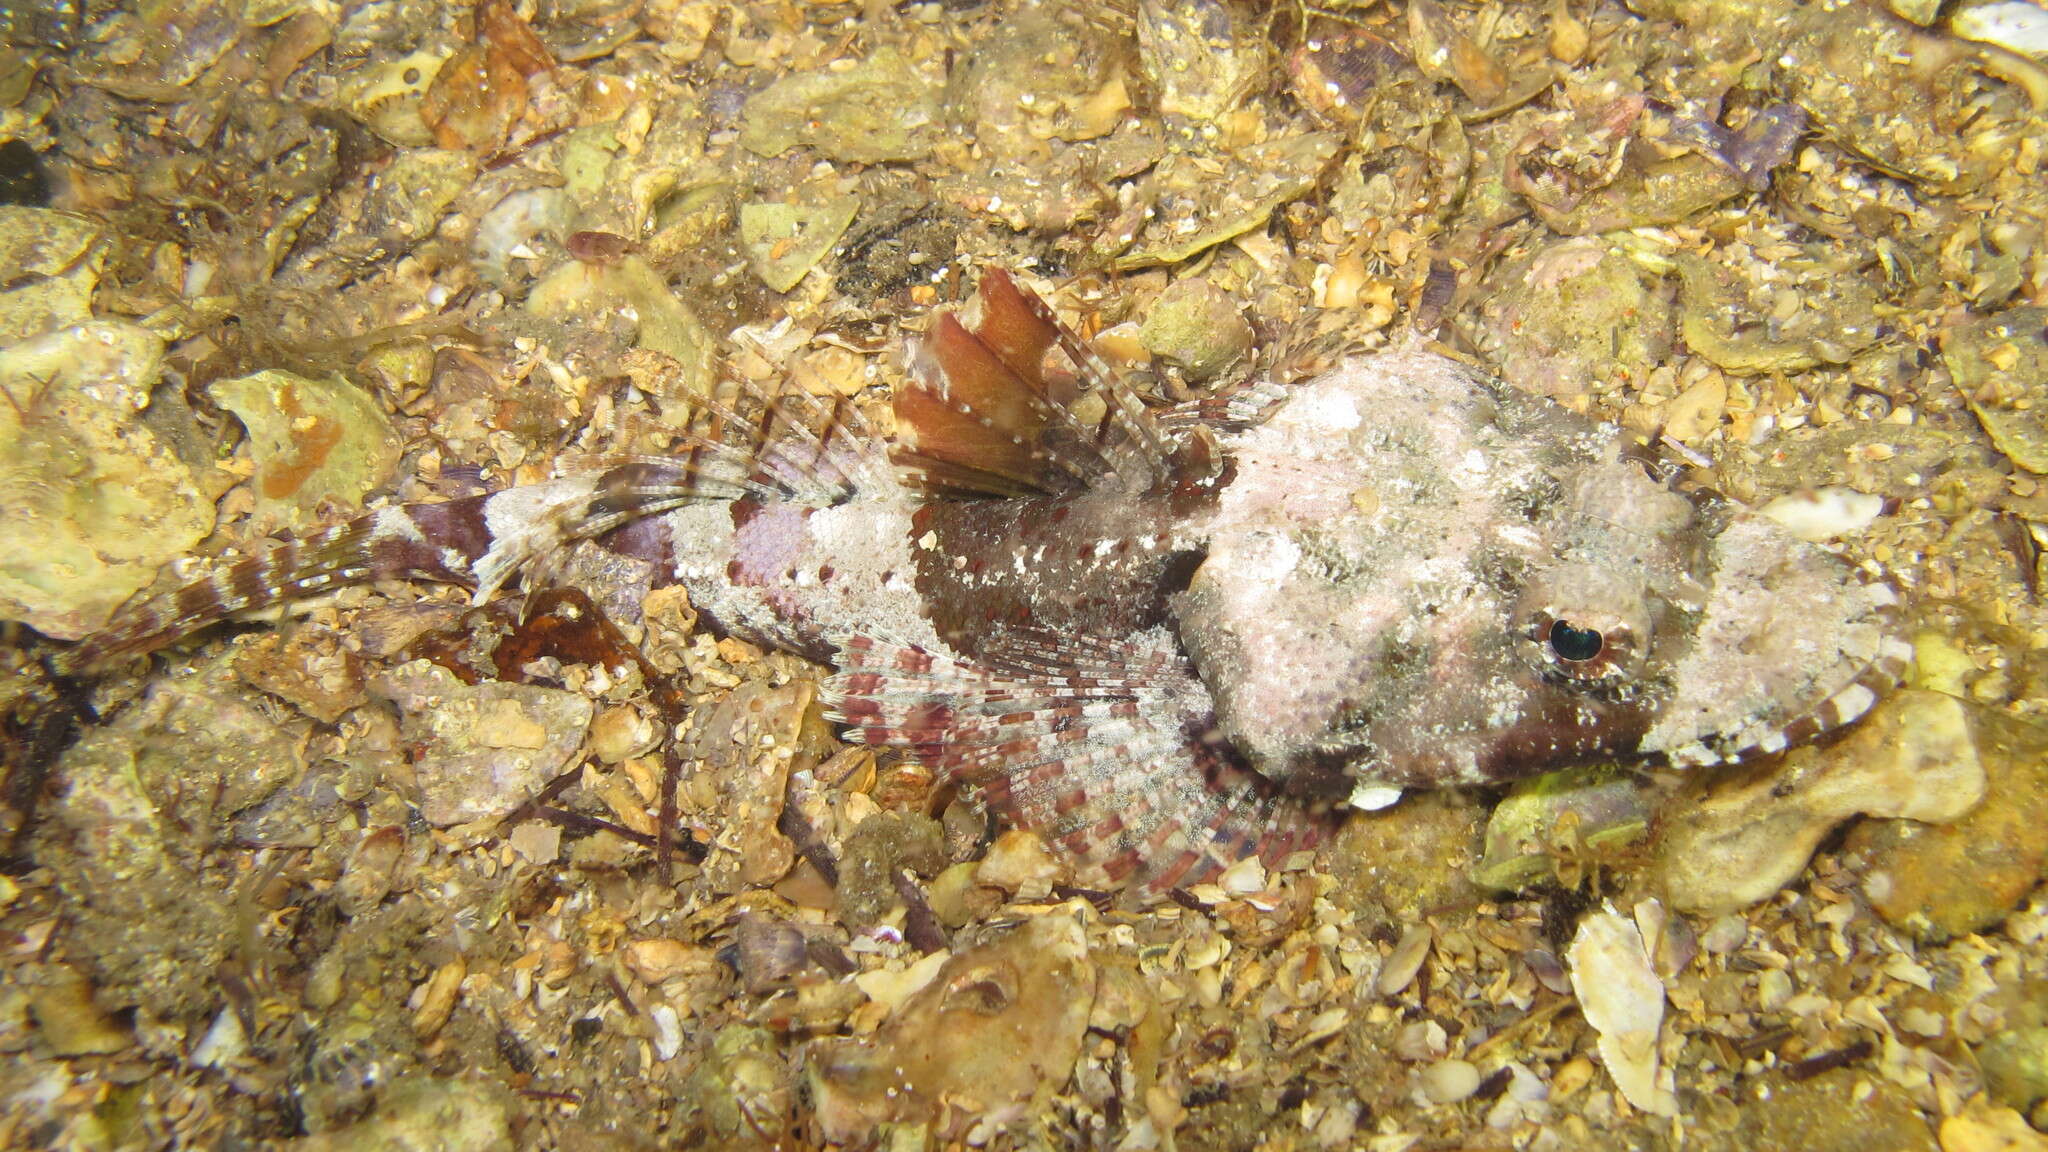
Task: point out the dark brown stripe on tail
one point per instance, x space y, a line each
413 542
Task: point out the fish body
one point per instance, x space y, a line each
1169 640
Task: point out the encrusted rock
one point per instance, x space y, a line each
958 896
784 241
877 849
1783 316
741 1086
97 500
2015 1061
1417 854
1001 1025
54 263
453 1115
70 1023
1920 756
141 803
312 669
753 740
2000 365
1574 317
1927 115
1949 878
483 749
1839 1111
659 959
1197 327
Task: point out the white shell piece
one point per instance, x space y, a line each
2015 25
1821 514
1373 797
1623 1000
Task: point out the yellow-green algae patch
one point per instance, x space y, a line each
313 440
97 501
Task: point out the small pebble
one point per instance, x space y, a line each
1449 1081
668 1031
1405 961
658 959
1019 863
437 998
72 1024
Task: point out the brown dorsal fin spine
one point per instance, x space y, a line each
1141 450
966 408
980 416
1014 325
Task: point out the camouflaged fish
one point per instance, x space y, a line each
1168 639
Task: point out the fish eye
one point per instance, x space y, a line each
1576 645
1584 648
1584 626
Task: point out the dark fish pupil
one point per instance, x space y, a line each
1574 644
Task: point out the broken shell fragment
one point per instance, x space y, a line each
1623 1000
1444 52
313 441
1787 316
879 110
784 241
2015 25
483 748
1338 76
1818 514
770 952
387 95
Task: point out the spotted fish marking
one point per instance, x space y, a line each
1167 640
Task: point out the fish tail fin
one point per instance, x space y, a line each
430 541
785 446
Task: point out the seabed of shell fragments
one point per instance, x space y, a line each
264 262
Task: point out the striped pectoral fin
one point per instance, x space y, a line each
1097 747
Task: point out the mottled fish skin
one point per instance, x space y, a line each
1420 576
1169 641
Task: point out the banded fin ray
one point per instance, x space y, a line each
1098 746
783 446
435 542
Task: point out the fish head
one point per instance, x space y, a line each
1417 576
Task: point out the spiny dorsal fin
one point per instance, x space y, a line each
981 416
